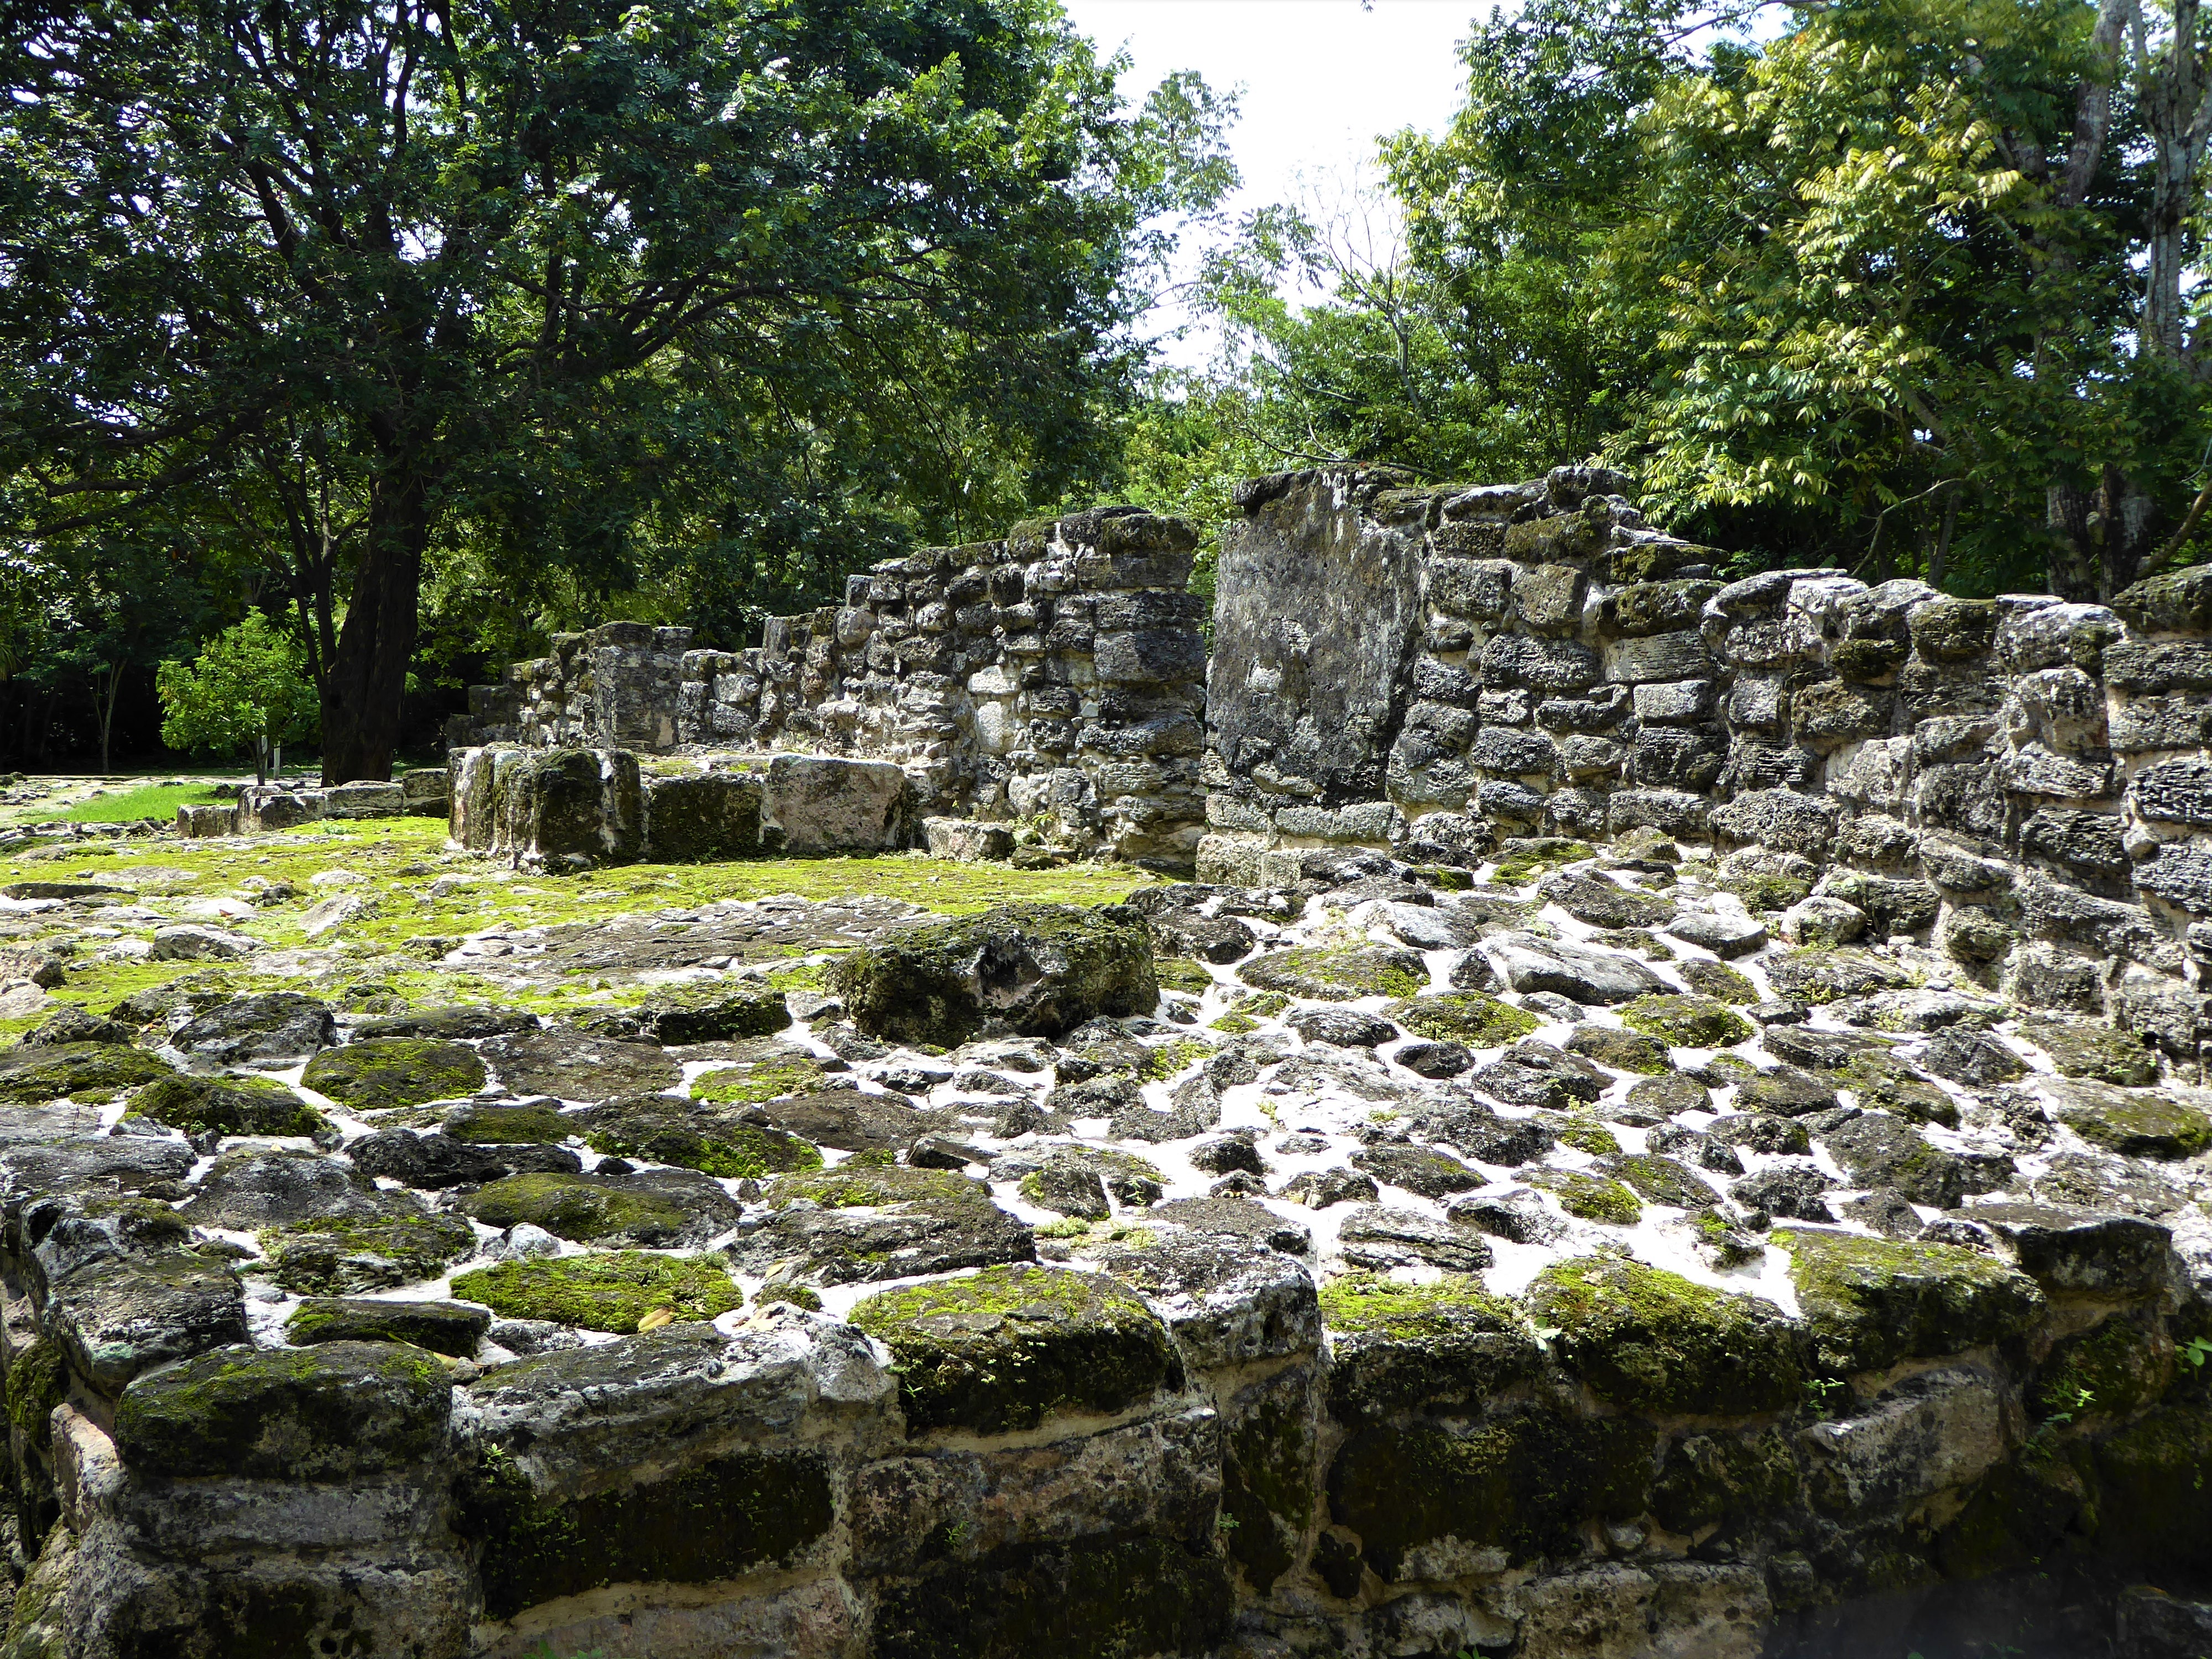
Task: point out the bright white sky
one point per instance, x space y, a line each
1320 79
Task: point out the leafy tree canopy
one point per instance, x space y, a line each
247 692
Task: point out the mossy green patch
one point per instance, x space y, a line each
1647 1340
77 1071
1444 1346
1766 890
2080 1048
1624 1051
337 1258
1582 1132
1369 1302
1816 977
1233 1023
1687 1022
853 1186
694 1140
608 1291
1719 981
1170 1058
38 1380
1182 974
1593 1198
760 1080
2111 1370
226 1105
509 1126
1337 973
440 1327
382 1072
1013 1345
1872 1301
1466 1017
578 1207
1889 1085
2135 1122
1526 860
1263 1005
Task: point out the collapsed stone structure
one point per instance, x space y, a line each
1058 675
1427 671
1459 1225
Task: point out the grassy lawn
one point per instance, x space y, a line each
147 800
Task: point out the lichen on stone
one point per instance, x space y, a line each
1869 1302
1337 973
379 1073
760 1080
1687 1022
342 1257
226 1105
1591 1198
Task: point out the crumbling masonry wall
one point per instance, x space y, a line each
2023 782
1058 675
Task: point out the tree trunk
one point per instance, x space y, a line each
367 678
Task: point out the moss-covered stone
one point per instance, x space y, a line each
660 1130
1008 1347
581 1208
390 1071
2111 1370
38 1380
1869 1302
1889 1085
444 1327
1652 1340
722 1010
1723 1477
1581 1131
333 1412
342 1257
2135 1122
510 1126
1466 1017
1818 977
1032 969
853 1185
1719 981
1337 973
607 1290
226 1105
1625 1051
1667 1094
703 1523
34 1074
1526 1482
769 1079
1525 861
2156 1505
1448 1344
2078 1049
1687 1022
1182 974
1658 1180
1593 1198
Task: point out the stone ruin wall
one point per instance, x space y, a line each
1057 676
2021 782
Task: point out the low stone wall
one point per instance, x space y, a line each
2025 782
261 807
578 807
1056 676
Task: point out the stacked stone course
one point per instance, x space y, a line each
1057 676
2023 781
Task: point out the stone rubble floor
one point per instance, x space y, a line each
1584 1156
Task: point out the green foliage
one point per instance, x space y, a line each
247 692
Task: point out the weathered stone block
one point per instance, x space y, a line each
822 805
1680 656
713 815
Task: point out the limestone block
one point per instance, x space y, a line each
194 823
1549 598
828 805
1674 701
2035 770
967 839
2137 725
1678 656
1670 1610
1830 713
1875 774
710 815
1780 820
1674 811
1677 757
567 805
2174 792
1475 588
2158 669
427 791
1541 665
2054 634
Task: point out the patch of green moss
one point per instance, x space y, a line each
1009 1347
85 1072
1658 1180
1233 1023
1337 973
440 1327
1625 1051
2136 1123
339 1258
1719 981
382 1072
1582 1132
1815 977
1652 1340
1872 1301
1466 1017
38 1380
1687 1022
733 1151
2114 1369
1263 1005
1170 1058
509 1126
1529 860
574 1207
1890 1086
800 976
226 1105
796 1296
610 1290
1590 1197
1766 890
2080 1048
1368 1302
764 1080
1182 974
854 1185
